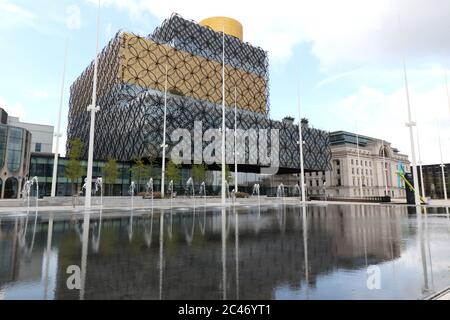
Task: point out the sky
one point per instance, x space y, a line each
342 60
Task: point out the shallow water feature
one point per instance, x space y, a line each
276 252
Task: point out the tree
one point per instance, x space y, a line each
199 173
304 122
152 155
111 173
73 170
228 176
139 171
173 172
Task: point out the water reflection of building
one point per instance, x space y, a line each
269 256
20 257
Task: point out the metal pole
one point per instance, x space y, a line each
410 124
84 252
93 108
223 118
385 170
235 139
300 143
224 254
422 184
444 186
358 167
58 127
163 168
446 86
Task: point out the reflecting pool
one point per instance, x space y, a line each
276 252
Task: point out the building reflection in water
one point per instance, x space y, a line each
198 256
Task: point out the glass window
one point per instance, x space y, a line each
38 147
14 149
11 188
3 135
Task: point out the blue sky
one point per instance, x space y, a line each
345 56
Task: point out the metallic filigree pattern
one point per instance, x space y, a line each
131 81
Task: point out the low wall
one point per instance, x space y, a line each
353 199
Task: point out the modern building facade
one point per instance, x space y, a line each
15 144
376 167
432 176
41 135
41 166
186 57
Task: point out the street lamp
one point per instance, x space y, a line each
163 166
444 186
223 118
235 140
358 167
410 124
93 108
300 143
58 127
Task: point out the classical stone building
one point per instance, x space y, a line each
350 174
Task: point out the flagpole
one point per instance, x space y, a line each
93 108
163 165
223 118
58 127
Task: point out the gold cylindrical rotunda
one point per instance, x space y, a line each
228 25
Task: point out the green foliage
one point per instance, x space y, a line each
152 154
110 172
173 172
199 173
228 176
74 171
140 172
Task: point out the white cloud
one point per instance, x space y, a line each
37 93
16 109
73 19
384 116
340 32
14 16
